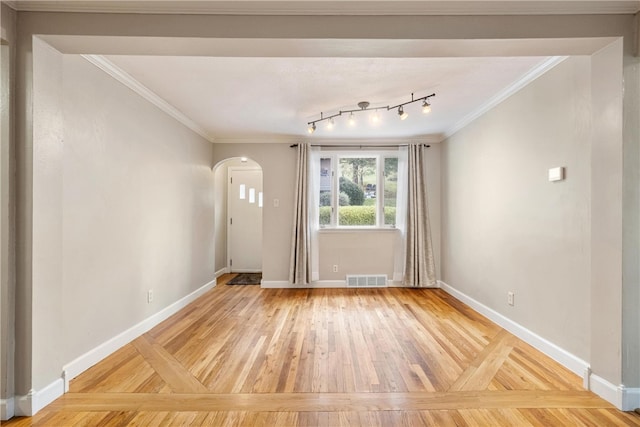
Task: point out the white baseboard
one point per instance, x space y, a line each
605 390
319 284
395 283
630 398
24 405
7 409
35 400
328 284
625 399
277 284
285 284
90 358
560 355
222 271
400 284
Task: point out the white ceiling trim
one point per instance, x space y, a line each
123 77
425 139
344 7
504 94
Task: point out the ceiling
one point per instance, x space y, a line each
268 90
245 98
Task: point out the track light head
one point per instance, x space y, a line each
375 118
312 128
426 107
352 120
330 123
403 114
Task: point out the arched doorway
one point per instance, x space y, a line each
238 216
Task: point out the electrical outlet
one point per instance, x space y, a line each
149 296
510 298
335 268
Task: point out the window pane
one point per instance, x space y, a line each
357 198
390 189
325 193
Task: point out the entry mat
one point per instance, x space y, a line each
246 279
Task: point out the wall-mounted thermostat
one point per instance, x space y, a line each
556 174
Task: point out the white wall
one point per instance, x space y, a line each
506 227
123 203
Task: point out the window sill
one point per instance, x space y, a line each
330 230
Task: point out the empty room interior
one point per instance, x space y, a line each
435 206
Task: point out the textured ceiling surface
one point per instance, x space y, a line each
244 98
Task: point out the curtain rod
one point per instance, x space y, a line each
358 146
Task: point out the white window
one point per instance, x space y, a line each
357 189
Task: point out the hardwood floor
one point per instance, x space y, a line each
241 355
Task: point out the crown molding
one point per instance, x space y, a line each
11 3
345 7
370 142
260 139
126 79
504 94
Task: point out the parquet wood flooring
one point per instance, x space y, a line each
245 356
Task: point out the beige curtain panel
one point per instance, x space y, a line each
300 264
420 270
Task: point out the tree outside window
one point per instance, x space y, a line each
361 196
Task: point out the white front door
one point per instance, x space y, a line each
244 220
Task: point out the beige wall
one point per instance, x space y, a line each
606 213
278 174
369 252
220 209
355 252
506 227
631 224
48 213
120 207
7 193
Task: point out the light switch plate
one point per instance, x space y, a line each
556 174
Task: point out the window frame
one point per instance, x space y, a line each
335 156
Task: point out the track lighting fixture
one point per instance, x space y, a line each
330 123
426 107
403 114
375 118
311 128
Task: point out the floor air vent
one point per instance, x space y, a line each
366 281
